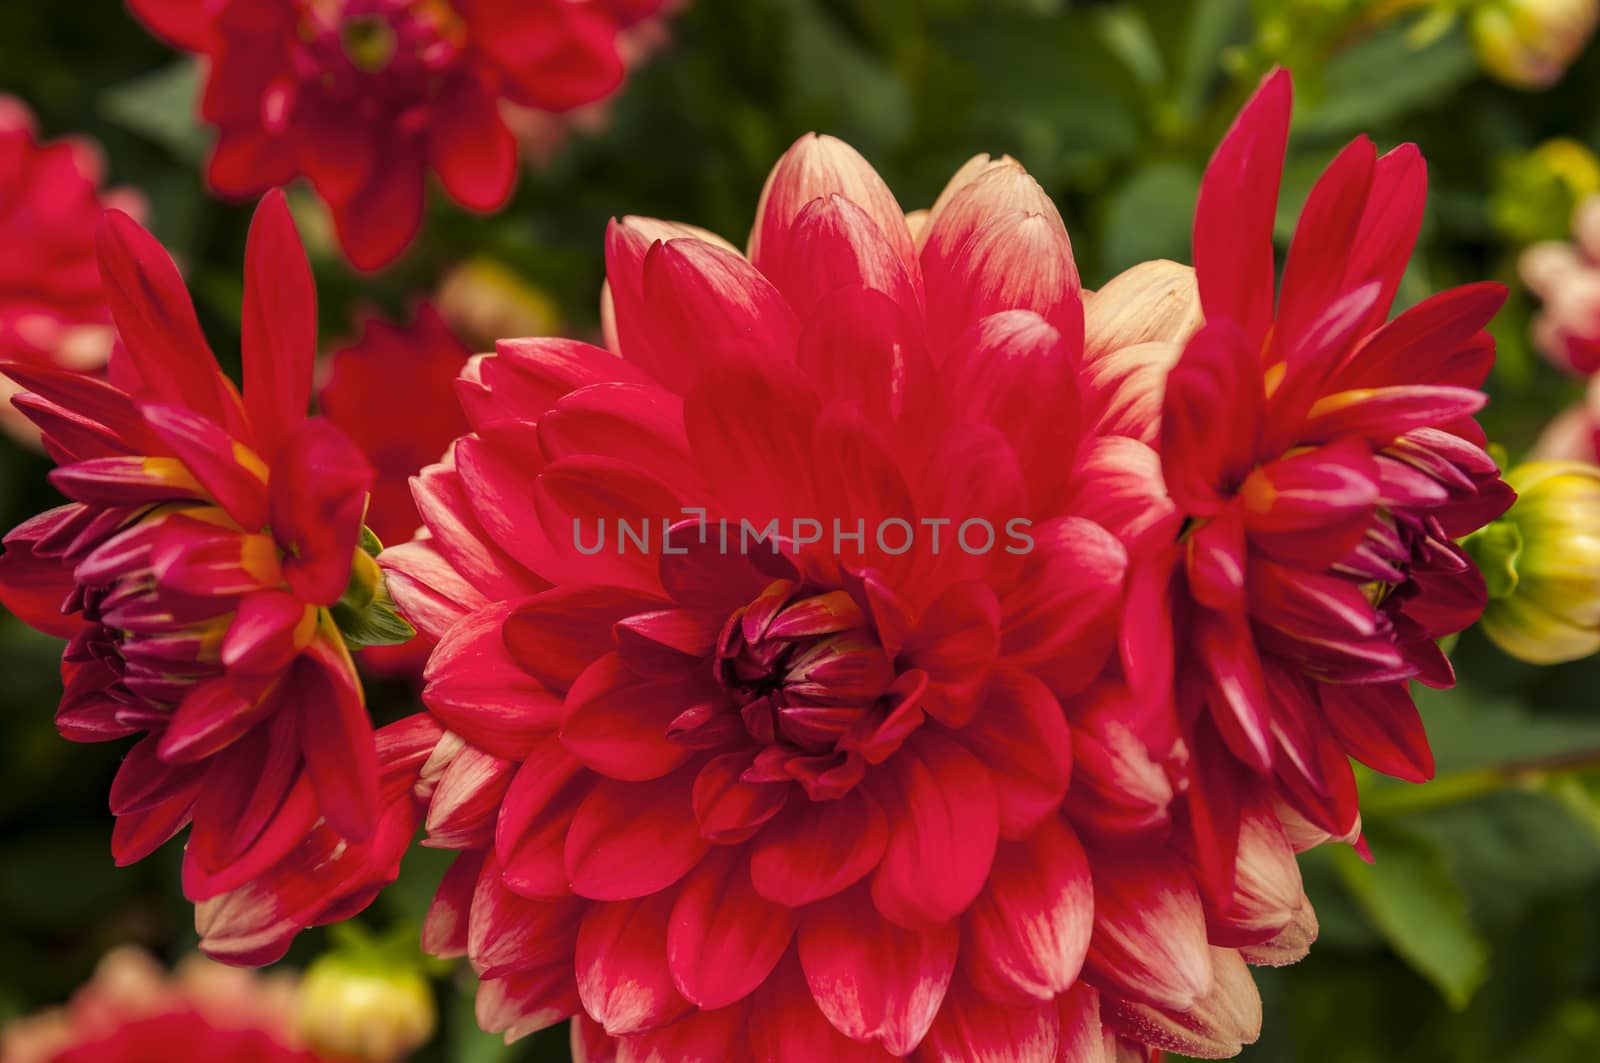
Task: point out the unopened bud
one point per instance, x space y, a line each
483 301
1541 562
355 1008
1537 193
1529 44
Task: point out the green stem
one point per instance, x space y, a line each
1460 786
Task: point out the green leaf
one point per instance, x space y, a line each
1149 217
1385 76
1469 729
370 543
1409 895
163 107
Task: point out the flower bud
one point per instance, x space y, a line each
359 1008
1541 562
1529 44
1536 196
483 301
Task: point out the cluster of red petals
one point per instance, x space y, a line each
366 97
1323 460
815 800
52 308
191 571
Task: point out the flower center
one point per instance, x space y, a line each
406 44
802 666
369 41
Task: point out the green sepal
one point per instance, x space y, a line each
378 624
1495 550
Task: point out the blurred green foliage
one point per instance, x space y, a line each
1475 936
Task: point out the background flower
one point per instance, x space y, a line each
367 99
133 1010
52 308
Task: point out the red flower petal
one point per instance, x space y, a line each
786 1025
632 839
943 824
478 691
1149 938
815 849
557 634
624 979
873 979
729 809
279 342
319 491
155 320
1029 928
1236 209
972 1029
336 737
724 937
616 722
1021 736
470 147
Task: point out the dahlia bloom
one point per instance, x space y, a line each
366 97
211 549
52 308
133 1011
1322 460
807 797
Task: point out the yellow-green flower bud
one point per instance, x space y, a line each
1530 43
354 1008
1542 564
1536 194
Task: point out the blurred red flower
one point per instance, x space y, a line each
392 392
132 1011
197 569
366 97
52 308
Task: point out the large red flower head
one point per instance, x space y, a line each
52 308
1323 459
366 97
210 552
770 639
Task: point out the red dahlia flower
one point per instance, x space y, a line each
366 97
1323 460
803 799
52 308
211 548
